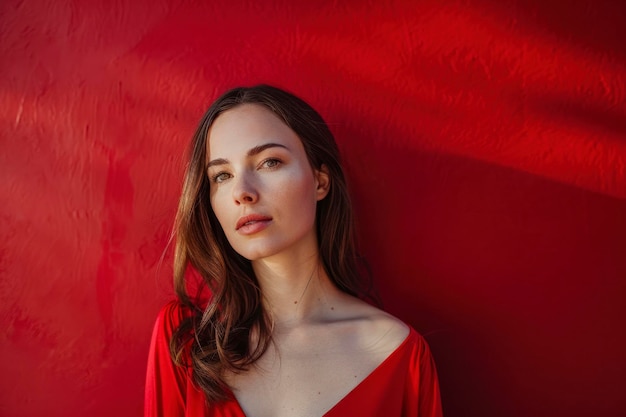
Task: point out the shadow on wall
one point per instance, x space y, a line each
515 280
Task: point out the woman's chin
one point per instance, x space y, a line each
255 254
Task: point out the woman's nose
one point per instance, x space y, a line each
244 191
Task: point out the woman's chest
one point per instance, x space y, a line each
303 382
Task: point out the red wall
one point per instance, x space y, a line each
485 143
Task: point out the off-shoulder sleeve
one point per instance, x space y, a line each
424 384
166 383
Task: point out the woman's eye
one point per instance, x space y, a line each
220 177
271 163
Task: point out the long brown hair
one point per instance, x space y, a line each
217 337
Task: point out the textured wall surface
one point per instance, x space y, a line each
485 143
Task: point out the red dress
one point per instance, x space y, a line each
405 384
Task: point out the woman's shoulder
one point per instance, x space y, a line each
170 316
375 327
386 334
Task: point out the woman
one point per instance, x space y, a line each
265 220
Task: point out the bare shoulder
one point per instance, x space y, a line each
375 328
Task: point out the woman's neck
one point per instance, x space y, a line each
295 291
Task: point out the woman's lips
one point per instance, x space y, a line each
252 223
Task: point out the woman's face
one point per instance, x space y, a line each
263 190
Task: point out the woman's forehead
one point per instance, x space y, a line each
237 130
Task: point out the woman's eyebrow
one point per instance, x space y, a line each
258 149
254 151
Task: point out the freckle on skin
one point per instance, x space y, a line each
332 308
295 302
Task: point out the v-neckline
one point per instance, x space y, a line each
369 376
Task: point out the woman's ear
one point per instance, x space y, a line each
323 182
